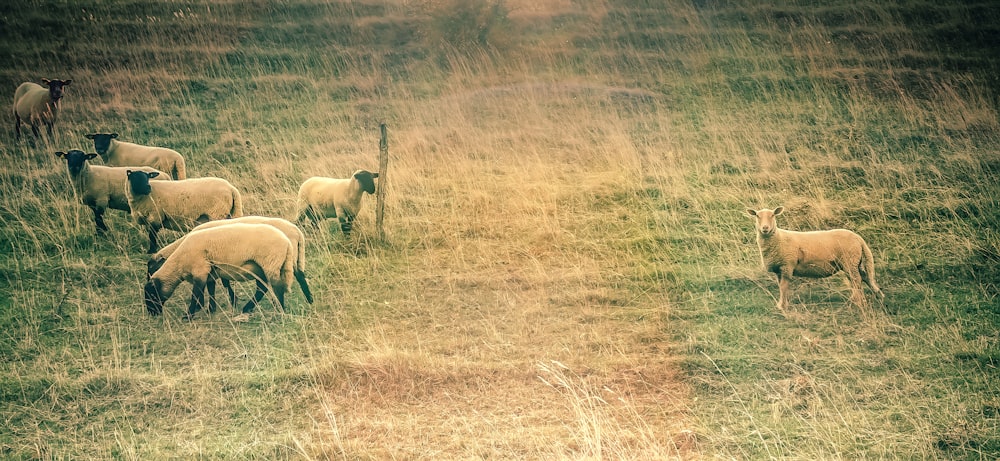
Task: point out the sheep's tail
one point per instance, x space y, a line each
180 169
867 268
287 269
237 209
300 265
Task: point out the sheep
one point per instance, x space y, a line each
236 252
120 153
321 198
36 104
99 187
815 254
179 205
290 230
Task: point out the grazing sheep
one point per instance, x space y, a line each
290 230
237 252
99 187
321 198
36 104
815 254
179 205
120 153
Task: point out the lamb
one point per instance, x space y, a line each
36 104
235 252
321 198
815 254
99 187
179 205
290 230
120 153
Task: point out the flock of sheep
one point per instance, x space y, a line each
223 245
220 244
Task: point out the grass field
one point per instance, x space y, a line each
567 270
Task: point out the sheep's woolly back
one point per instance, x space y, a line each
127 154
786 247
246 246
121 153
291 231
104 186
179 205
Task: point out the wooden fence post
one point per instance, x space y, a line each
383 164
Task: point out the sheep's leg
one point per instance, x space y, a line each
210 286
257 296
308 217
34 131
867 271
229 290
197 297
783 289
857 294
346 223
17 126
48 129
153 247
301 277
99 219
279 292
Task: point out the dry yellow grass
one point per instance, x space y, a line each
567 272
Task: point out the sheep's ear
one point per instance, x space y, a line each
60 154
778 210
45 81
67 82
374 175
751 212
91 156
154 174
129 172
114 135
88 136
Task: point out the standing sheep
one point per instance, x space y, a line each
290 230
120 153
99 187
36 104
321 198
179 205
237 252
815 254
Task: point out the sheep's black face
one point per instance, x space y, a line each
151 295
56 88
367 180
154 264
75 160
138 182
102 141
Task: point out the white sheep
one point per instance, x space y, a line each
99 187
815 254
36 104
179 205
290 230
321 198
237 252
121 153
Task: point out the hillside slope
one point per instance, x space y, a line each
568 271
